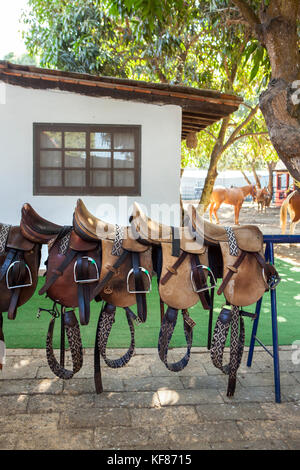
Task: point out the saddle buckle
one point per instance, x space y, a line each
20 285
139 291
202 289
86 281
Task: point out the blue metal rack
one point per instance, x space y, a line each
269 240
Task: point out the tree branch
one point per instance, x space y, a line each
248 135
209 133
247 12
240 127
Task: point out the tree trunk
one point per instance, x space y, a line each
256 177
212 169
276 29
271 167
246 177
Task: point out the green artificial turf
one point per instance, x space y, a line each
29 332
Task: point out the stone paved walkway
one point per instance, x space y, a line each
145 406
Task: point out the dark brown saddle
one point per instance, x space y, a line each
83 265
73 264
124 281
72 271
19 265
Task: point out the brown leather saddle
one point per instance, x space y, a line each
234 255
73 268
19 265
90 260
181 264
124 281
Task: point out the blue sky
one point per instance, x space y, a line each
10 37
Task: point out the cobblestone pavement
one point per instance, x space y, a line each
145 406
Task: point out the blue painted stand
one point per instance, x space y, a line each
269 240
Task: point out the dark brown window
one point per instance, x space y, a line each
86 159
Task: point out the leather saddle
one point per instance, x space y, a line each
181 264
19 265
124 281
233 254
73 268
73 264
90 260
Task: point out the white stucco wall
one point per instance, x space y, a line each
160 150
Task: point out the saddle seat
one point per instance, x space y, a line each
36 228
248 237
149 230
90 228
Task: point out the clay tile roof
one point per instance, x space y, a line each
200 107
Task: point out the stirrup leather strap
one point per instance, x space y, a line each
107 318
73 334
233 319
165 336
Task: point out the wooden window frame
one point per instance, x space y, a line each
87 190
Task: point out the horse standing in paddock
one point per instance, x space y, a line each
291 204
233 196
263 199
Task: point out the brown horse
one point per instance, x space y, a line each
263 199
291 204
233 196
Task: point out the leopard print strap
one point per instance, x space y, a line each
106 321
4 231
74 339
165 335
233 246
227 320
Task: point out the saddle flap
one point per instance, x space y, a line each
16 240
189 243
78 244
246 285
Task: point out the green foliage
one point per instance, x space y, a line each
24 59
199 43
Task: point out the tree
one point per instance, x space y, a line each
169 41
274 24
24 59
274 46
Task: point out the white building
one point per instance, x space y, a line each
108 141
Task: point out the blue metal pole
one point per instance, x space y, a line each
257 312
253 334
275 333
